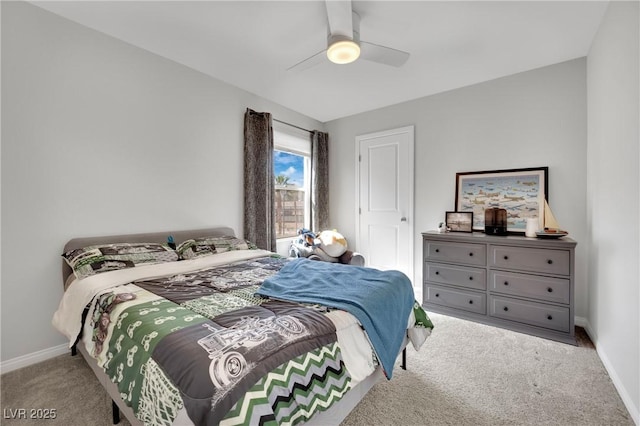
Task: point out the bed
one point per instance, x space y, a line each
200 327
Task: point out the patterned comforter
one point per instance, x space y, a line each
203 342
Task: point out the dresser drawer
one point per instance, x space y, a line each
538 314
468 254
459 299
456 275
530 259
533 286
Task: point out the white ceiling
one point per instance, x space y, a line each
250 44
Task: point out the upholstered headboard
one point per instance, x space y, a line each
151 237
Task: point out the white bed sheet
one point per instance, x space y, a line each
67 319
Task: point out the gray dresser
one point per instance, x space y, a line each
523 284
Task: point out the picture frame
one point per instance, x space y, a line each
459 221
522 192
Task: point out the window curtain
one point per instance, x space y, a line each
259 181
319 181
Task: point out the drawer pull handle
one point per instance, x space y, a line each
437 272
470 254
549 289
437 294
470 278
471 302
437 250
549 261
506 283
506 308
506 257
549 317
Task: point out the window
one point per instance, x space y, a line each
292 171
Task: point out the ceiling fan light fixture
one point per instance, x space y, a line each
343 52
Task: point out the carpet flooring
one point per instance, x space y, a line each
465 374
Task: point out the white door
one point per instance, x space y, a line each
384 208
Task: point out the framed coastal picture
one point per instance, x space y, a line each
522 192
459 221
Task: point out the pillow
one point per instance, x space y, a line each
206 246
92 260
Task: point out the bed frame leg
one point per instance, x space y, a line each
116 412
404 359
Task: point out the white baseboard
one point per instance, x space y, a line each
580 322
587 327
615 379
33 358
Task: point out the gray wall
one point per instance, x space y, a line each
100 137
531 119
613 197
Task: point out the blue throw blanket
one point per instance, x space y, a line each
380 300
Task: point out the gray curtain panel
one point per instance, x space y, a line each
319 181
259 181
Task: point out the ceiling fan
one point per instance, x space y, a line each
343 41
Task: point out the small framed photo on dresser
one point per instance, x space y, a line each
459 221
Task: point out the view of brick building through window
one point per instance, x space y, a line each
292 178
289 204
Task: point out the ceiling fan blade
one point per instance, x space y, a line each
339 15
383 54
311 61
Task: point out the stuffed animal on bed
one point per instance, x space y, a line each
332 243
304 245
328 246
307 238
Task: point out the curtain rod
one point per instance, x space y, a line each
292 125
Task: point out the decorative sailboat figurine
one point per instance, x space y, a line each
551 227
